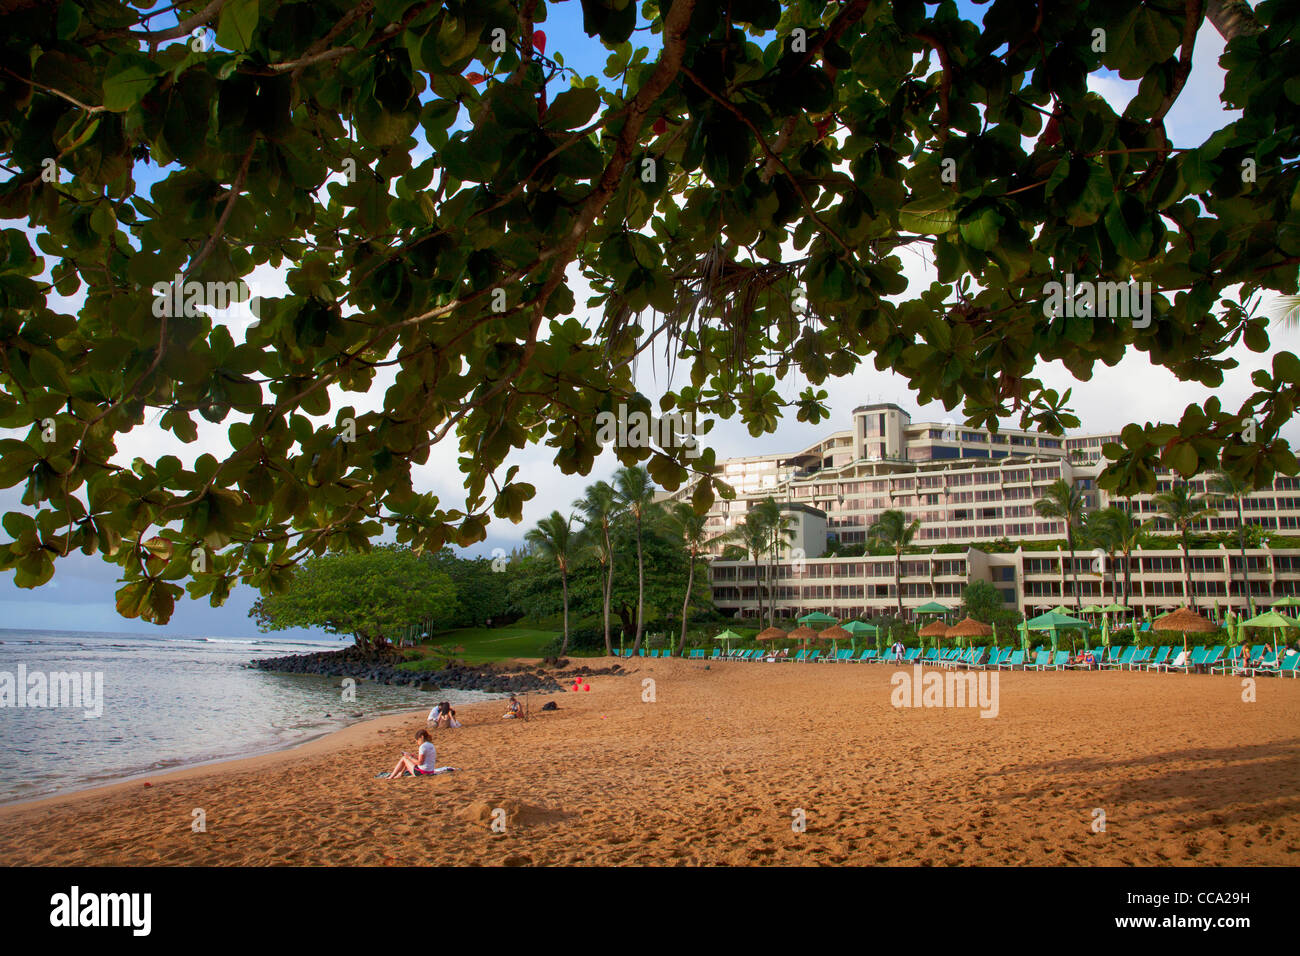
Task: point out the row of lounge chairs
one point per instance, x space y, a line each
1218 659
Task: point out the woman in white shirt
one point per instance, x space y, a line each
422 763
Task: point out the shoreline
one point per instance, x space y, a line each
217 763
212 763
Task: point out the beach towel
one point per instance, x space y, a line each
434 773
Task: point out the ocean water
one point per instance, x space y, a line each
169 702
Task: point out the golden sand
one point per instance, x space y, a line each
723 764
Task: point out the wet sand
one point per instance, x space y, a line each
723 766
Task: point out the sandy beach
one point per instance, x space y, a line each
722 765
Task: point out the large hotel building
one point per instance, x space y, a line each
970 488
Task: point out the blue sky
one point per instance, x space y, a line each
80 596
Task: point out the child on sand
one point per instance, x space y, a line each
513 710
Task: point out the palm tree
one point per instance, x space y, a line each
1182 509
1128 534
692 530
780 529
752 535
634 491
892 530
553 539
1064 502
599 507
1223 486
1102 529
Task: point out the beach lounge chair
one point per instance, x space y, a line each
846 655
1289 666
1003 654
717 653
957 657
1122 659
912 654
1213 656
697 654
1263 665
798 658
1017 659
931 656
976 658
1197 657
864 655
1140 658
1040 659
814 656
1160 657
1061 661
1230 662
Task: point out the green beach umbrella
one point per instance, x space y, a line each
817 617
934 607
1053 622
1271 620
728 635
857 627
1287 601
1105 632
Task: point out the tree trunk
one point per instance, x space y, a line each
640 589
1245 568
758 593
1074 576
1187 574
1232 18
564 584
609 586
898 579
1128 576
686 603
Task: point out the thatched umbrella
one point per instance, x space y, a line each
835 634
969 627
803 634
771 634
1186 621
936 629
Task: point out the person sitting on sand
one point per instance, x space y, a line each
513 709
419 764
444 715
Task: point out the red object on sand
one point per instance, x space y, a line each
539 41
586 687
148 784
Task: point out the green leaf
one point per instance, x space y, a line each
128 78
237 24
572 108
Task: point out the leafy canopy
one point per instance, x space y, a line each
371 596
742 195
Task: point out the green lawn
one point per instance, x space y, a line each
477 645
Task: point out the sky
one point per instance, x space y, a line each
81 594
